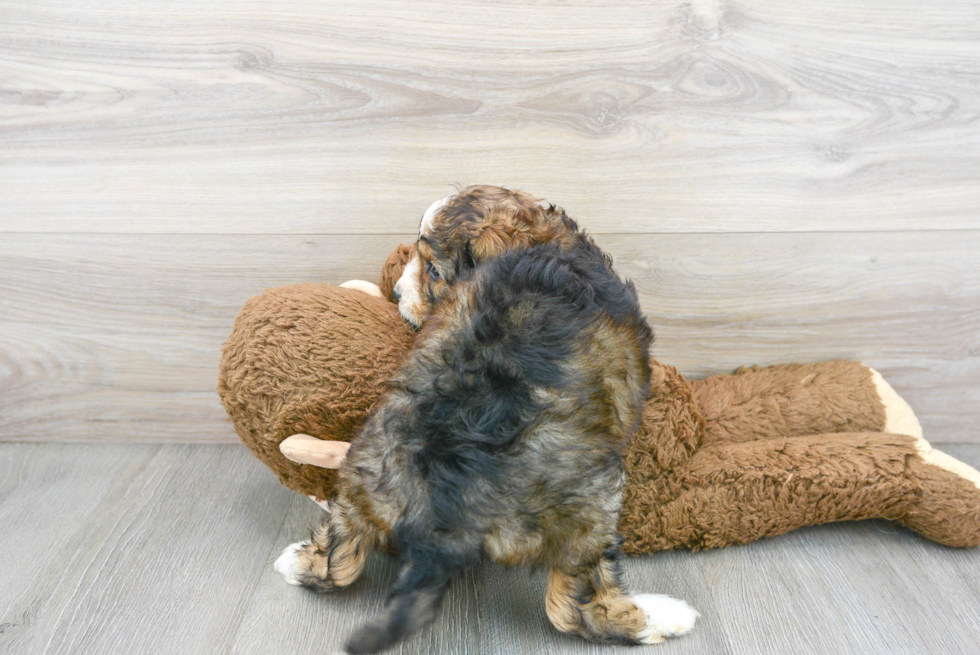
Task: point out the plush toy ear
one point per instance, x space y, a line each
304 449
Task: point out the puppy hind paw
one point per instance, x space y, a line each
666 617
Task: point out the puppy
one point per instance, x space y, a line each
502 434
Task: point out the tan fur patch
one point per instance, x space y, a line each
337 551
562 611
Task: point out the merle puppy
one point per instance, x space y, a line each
502 434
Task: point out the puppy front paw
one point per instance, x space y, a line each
288 564
306 565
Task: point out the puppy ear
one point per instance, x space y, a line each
392 269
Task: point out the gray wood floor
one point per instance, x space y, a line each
109 548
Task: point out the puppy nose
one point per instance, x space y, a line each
396 294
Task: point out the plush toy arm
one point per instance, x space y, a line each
304 449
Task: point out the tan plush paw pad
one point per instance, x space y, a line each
900 419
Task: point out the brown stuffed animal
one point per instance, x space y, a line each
719 461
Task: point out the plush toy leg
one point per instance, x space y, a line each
789 401
900 419
947 507
736 493
949 486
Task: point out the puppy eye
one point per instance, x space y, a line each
433 273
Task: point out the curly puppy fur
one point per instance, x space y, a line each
460 232
502 435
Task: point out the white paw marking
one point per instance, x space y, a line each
288 563
666 617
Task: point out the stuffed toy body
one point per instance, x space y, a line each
719 461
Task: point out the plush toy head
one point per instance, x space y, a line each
313 359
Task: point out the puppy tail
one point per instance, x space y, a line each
403 615
414 602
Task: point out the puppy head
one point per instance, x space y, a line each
464 230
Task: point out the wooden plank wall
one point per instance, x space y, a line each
785 180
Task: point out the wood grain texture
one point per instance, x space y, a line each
163 562
351 117
46 494
944 569
168 549
117 337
